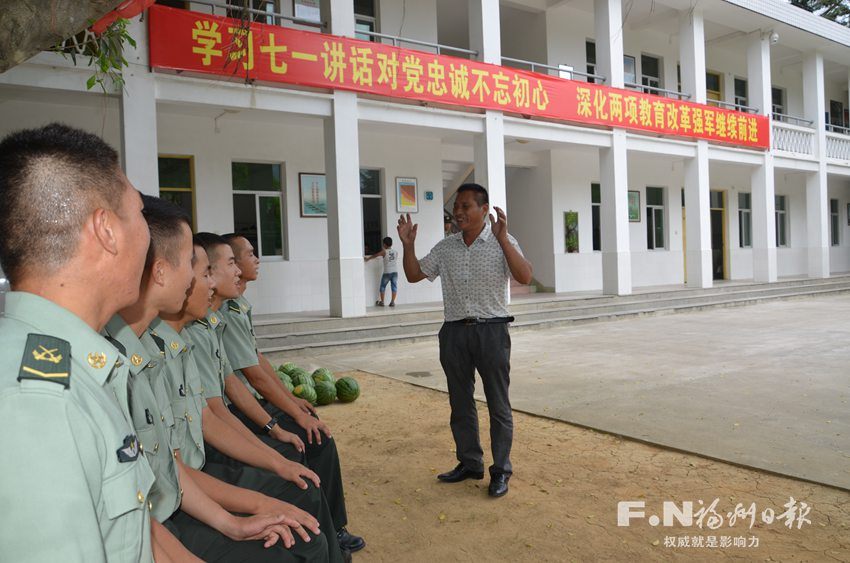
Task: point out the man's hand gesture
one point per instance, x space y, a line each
407 229
500 227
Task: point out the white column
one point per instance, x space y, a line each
762 178
489 157
608 23
692 55
697 205
138 115
614 186
489 153
613 160
817 199
346 281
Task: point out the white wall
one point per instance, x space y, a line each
523 34
415 20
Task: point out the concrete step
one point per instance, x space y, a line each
383 328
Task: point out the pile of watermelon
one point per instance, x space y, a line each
319 387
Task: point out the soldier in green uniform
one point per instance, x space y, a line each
73 485
276 429
203 522
292 413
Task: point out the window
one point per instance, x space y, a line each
745 220
741 98
177 182
835 226
371 200
257 210
596 215
777 96
261 5
836 115
650 73
781 221
713 86
654 218
364 19
590 63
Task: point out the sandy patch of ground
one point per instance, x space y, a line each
562 505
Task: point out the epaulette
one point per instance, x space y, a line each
234 307
46 358
203 323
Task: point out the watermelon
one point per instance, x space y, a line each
283 377
324 374
305 392
325 392
287 368
288 384
347 389
301 377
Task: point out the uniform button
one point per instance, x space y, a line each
156 447
140 496
150 505
162 417
142 448
189 417
174 453
198 444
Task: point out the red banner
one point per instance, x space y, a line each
191 41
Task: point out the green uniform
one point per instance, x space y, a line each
155 423
184 387
240 348
73 484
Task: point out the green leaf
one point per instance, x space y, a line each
91 82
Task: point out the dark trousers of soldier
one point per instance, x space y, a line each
322 458
487 348
311 500
214 547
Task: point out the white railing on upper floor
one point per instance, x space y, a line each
838 146
793 139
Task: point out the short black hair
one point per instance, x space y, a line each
210 243
231 238
388 241
164 220
480 192
51 179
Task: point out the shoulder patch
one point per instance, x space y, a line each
118 346
203 323
234 307
46 358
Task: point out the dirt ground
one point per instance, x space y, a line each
563 501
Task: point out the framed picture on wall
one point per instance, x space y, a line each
314 195
405 195
634 207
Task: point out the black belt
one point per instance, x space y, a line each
479 321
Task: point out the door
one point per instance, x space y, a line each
718 235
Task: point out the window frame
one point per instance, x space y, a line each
651 210
596 218
748 212
280 194
175 189
379 196
834 223
781 218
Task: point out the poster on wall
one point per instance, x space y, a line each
571 231
634 207
405 192
314 195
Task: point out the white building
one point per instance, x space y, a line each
234 153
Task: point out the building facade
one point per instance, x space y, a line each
317 176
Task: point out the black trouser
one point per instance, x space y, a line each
322 458
310 500
487 348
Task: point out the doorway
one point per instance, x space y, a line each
718 235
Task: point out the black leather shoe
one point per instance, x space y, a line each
460 473
498 485
349 542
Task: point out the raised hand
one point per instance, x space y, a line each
500 227
407 229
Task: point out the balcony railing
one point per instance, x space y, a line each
559 71
648 89
732 106
398 41
793 139
785 118
838 145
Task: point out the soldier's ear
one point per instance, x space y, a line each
158 271
102 224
